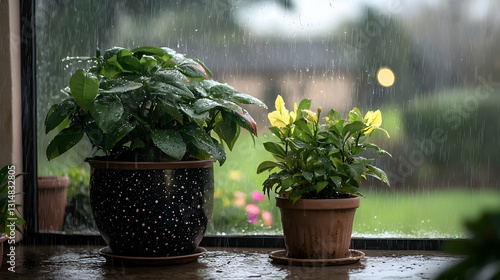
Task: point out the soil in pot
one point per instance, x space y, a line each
318 228
151 210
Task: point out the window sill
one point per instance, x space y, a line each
78 262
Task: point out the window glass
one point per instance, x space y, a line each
431 67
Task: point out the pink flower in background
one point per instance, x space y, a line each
257 196
268 218
253 212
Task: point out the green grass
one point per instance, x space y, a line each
422 214
383 213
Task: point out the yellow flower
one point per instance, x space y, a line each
235 175
282 117
374 120
218 193
310 116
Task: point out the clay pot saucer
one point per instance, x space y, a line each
150 261
281 258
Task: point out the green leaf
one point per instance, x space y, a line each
64 141
58 113
378 174
206 143
171 81
332 138
128 61
111 52
170 109
116 133
336 180
333 115
146 50
275 149
110 71
302 125
353 128
207 71
227 130
354 190
354 170
170 142
148 63
193 71
275 130
84 88
266 165
95 134
320 186
223 91
305 104
205 104
244 120
117 86
286 181
107 111
355 115
308 175
380 151
198 118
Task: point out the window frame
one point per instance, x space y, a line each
33 236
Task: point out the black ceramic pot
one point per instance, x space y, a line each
149 209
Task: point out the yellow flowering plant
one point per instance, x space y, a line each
320 158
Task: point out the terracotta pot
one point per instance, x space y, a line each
3 238
147 209
51 202
317 228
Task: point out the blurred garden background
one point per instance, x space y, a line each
441 110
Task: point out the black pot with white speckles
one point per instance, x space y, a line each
152 209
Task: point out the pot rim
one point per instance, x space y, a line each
52 182
105 164
319 204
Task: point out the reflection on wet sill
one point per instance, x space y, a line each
84 262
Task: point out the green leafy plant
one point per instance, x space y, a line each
148 104
320 160
8 208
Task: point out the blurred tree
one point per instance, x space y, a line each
379 41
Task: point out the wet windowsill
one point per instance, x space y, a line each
84 262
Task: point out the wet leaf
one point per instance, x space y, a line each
64 141
107 111
58 113
84 88
170 142
227 130
116 133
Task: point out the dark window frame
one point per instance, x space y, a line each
29 129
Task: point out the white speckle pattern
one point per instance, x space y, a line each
152 213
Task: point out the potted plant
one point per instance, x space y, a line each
320 167
9 220
52 190
152 116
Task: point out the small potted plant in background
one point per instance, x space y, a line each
8 208
52 195
320 167
157 121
